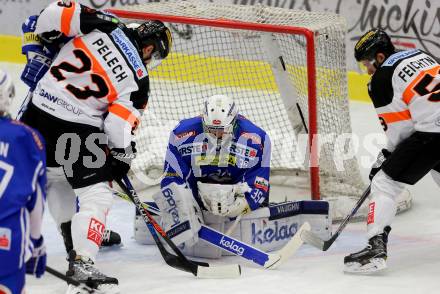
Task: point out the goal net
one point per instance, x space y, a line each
273 62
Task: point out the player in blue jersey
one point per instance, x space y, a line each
22 197
217 162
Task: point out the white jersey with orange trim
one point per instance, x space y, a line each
405 91
97 78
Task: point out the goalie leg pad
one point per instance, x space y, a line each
267 228
270 228
141 233
181 215
200 249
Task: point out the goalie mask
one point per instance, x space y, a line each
153 32
219 115
7 91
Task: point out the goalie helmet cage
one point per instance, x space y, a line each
268 60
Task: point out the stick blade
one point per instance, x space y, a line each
219 272
314 240
291 247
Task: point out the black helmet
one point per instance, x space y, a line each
372 42
154 32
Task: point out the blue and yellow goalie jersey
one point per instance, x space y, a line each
244 156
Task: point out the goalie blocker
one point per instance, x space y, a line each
267 228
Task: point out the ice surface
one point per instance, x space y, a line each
414 250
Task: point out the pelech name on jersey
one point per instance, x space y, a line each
130 52
415 66
111 60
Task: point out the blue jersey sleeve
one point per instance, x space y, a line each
175 168
37 199
257 177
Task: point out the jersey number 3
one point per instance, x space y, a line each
85 92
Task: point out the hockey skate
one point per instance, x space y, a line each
110 238
82 270
372 258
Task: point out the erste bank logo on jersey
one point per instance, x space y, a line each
5 290
5 238
130 52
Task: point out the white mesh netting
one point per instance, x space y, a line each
206 60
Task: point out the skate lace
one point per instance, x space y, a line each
85 270
106 236
377 241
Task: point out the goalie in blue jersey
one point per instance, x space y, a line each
22 197
218 162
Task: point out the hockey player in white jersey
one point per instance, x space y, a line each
86 107
404 89
61 198
22 196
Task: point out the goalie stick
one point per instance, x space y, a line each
198 269
239 248
317 242
70 281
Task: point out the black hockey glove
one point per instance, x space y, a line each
381 157
91 19
120 160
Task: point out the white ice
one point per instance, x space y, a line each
413 261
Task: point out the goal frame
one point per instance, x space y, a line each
309 36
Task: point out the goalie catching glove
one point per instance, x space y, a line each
224 200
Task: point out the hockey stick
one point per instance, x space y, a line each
68 280
199 269
234 225
239 248
317 242
287 92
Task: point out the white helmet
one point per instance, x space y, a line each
219 115
7 91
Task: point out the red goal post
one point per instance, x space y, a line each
232 24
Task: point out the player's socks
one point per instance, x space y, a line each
109 238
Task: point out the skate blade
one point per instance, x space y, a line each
71 289
375 265
109 288
102 289
111 247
